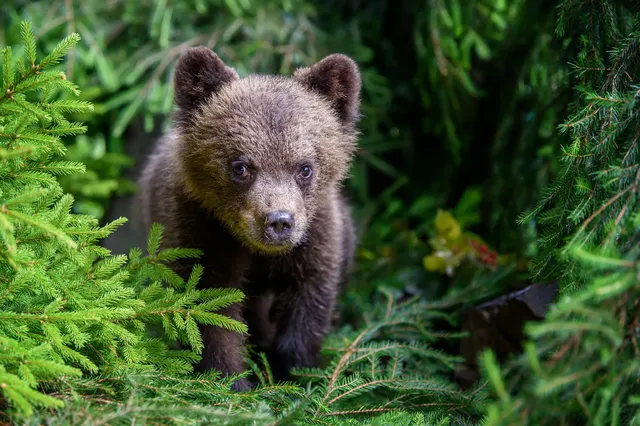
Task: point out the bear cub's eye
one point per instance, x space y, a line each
240 170
305 171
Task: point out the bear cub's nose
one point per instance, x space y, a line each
278 225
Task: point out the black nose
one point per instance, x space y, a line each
278 225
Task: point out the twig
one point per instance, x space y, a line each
624 208
341 364
170 56
68 4
383 410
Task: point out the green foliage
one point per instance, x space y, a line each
463 93
390 365
581 364
449 37
68 307
594 200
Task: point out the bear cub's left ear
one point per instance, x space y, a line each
337 78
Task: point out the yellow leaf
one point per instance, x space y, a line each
434 263
447 225
367 254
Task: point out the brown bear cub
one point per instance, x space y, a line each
251 174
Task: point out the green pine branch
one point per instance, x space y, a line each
69 309
596 193
580 364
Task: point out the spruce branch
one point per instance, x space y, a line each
580 362
95 311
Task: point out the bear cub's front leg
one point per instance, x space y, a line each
223 350
302 316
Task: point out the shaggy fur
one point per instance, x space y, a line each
239 152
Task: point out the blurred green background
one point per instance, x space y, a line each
460 100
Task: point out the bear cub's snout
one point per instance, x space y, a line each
278 226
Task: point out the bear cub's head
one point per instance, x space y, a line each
265 154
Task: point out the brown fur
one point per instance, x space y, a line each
275 126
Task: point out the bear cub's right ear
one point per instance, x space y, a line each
199 74
338 79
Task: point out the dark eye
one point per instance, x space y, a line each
240 170
305 172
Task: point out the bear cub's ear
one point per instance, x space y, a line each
199 74
337 78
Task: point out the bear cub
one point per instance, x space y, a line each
251 173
